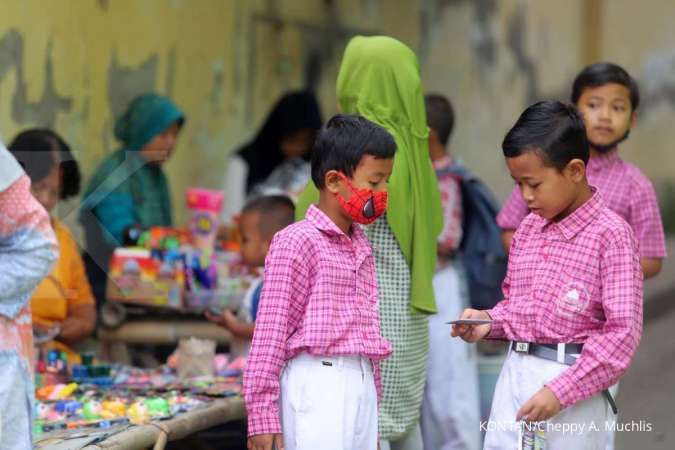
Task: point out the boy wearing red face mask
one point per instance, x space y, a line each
312 378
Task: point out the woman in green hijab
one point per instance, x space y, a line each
129 187
379 79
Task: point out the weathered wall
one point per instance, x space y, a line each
74 64
493 58
642 39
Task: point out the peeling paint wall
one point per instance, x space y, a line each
644 42
74 65
492 59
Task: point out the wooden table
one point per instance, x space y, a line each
157 434
115 341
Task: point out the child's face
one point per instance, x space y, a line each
47 191
253 245
548 192
371 173
607 112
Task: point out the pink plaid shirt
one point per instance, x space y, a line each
451 201
319 297
625 190
575 281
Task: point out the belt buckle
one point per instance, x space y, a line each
522 347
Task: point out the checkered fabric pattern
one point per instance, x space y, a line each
625 190
319 297
575 281
404 372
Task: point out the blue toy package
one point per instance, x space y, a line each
202 280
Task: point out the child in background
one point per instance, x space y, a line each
259 221
451 407
608 98
27 251
313 368
63 299
572 305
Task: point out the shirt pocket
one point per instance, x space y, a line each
572 304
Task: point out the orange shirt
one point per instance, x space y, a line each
66 286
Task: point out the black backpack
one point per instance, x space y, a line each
481 251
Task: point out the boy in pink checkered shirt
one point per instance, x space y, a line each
312 379
608 99
572 305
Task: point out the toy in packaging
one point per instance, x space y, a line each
205 206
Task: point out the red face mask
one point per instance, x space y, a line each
364 206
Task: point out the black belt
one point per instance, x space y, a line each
550 353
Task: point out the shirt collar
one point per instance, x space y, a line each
357 237
603 161
571 225
323 223
443 162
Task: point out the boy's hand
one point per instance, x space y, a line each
265 441
227 319
215 318
472 333
542 406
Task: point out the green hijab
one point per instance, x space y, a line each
147 116
379 79
125 189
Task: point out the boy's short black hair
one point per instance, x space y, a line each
276 213
343 141
39 151
602 73
552 128
440 116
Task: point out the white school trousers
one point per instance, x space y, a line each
579 427
329 403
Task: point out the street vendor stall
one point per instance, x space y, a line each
159 287
126 407
164 280
152 435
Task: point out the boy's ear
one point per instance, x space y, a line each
332 181
576 170
633 118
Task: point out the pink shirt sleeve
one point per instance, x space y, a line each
513 212
607 355
645 218
284 284
451 201
502 320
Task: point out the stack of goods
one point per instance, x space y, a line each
150 273
181 269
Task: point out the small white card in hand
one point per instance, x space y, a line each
470 322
